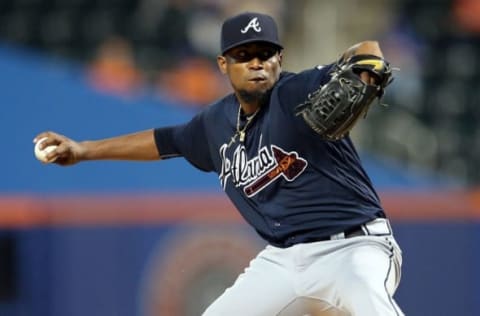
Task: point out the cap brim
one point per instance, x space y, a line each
251 40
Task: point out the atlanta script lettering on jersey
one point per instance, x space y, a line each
257 173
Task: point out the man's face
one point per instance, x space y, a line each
253 69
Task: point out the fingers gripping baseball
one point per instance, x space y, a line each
51 147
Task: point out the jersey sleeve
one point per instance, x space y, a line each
314 78
295 90
188 140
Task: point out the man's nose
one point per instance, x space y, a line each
255 63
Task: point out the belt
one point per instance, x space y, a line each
376 227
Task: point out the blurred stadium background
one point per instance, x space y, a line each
148 239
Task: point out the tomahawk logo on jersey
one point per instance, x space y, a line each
258 172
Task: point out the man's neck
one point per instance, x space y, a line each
251 102
249 108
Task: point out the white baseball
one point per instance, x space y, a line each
41 154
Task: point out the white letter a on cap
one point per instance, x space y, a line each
254 24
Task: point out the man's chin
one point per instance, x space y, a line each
254 96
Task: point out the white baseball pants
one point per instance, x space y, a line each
349 277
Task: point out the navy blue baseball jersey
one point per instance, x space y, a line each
290 185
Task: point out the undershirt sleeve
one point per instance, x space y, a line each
188 141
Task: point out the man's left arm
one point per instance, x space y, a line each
363 48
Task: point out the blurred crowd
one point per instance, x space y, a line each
170 47
431 120
173 48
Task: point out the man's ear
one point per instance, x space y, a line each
222 64
280 57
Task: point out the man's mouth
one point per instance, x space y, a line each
258 79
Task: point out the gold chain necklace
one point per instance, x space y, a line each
242 132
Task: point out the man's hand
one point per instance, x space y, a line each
368 78
67 152
364 48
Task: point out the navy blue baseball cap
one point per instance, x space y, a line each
249 27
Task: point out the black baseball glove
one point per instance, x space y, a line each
334 108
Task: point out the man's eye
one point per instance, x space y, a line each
266 54
241 55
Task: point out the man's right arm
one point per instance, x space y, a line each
138 146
